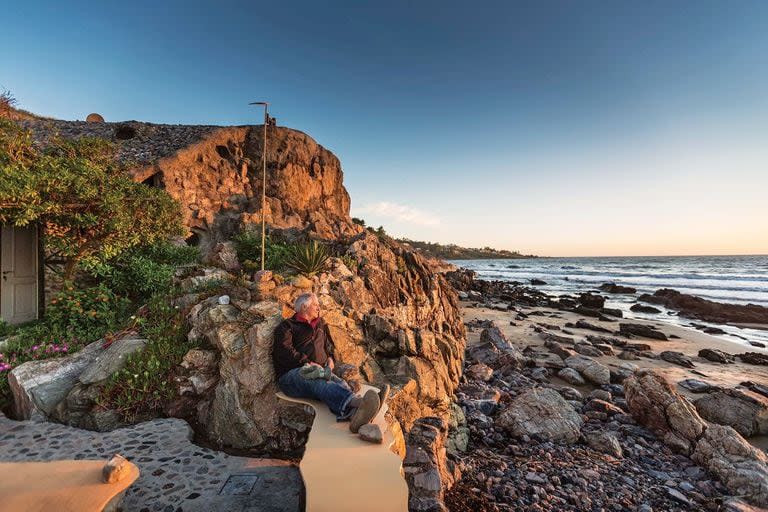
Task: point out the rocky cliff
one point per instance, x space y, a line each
392 319
216 174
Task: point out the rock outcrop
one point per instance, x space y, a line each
38 386
716 312
427 470
392 317
746 412
216 174
720 449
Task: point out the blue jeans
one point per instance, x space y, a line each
334 393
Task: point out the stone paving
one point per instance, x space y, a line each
176 475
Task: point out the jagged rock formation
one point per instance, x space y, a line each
427 470
720 449
392 317
707 310
391 320
216 172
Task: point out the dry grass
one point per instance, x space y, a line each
7 103
8 108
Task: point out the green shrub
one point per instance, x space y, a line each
145 271
350 262
86 314
309 258
248 247
146 380
90 206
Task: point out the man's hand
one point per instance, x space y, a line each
312 363
330 363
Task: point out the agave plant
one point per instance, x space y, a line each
308 259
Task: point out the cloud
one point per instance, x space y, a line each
399 212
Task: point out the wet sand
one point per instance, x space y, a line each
63 486
343 473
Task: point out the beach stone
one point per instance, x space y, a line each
590 369
628 355
591 301
570 394
543 412
371 433
603 407
617 288
754 358
587 350
582 324
639 308
717 356
560 351
492 345
480 371
571 376
677 358
746 413
605 442
642 330
696 385
111 360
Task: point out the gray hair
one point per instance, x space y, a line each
302 301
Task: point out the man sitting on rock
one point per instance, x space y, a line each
304 367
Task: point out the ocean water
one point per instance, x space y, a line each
730 279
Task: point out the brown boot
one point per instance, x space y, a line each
366 411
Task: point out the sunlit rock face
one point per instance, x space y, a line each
393 324
219 181
392 317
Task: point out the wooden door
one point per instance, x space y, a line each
19 267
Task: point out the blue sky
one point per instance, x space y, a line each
557 128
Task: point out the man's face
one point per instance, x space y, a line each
312 309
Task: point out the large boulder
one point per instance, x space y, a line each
111 360
38 386
80 408
655 404
542 412
746 412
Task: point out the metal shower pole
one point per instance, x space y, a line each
263 181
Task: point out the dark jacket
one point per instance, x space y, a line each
297 343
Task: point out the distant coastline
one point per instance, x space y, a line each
455 252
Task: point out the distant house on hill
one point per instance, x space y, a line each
21 278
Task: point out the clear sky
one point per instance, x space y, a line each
555 128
